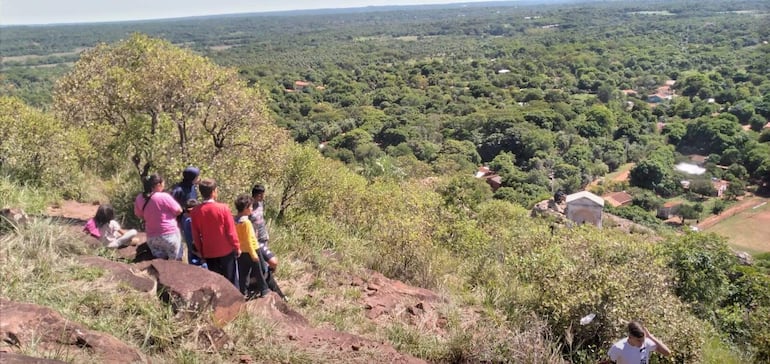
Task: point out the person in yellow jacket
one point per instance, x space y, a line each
248 261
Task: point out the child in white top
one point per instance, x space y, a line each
111 234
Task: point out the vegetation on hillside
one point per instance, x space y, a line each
393 110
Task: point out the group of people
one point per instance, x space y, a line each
235 247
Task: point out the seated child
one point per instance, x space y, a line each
110 233
192 257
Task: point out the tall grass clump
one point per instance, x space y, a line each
38 264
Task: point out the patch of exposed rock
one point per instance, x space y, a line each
11 358
336 346
193 289
121 273
189 289
24 325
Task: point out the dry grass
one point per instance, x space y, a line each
747 230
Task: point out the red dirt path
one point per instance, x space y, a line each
745 204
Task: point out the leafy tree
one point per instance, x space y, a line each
743 110
647 200
757 122
162 108
466 192
701 263
675 132
689 211
718 207
39 150
703 187
647 174
735 189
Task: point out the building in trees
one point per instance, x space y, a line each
617 199
669 209
585 207
493 179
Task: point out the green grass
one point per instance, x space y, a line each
30 199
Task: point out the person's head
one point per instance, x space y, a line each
152 183
258 192
635 333
190 204
104 214
191 175
243 204
208 188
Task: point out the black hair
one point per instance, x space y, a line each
207 187
104 214
257 190
635 329
190 204
150 182
242 202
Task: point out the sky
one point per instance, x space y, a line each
17 12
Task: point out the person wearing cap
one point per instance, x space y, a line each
185 190
637 347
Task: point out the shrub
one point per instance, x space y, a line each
38 150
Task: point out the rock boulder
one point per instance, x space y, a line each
25 324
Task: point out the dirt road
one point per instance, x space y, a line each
745 204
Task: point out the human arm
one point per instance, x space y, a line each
195 234
231 235
138 211
660 347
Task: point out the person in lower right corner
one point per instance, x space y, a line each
637 347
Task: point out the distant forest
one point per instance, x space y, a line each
550 96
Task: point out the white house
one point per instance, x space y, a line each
585 207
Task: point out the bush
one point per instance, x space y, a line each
38 150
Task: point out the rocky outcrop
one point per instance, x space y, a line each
384 296
121 272
13 216
336 346
744 258
24 324
193 289
11 358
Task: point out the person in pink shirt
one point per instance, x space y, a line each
159 210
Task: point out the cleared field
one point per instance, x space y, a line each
748 230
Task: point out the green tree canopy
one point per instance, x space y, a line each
163 107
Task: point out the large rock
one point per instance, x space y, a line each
195 289
385 296
11 358
121 272
744 258
24 325
15 217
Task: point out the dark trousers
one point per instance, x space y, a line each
227 266
250 270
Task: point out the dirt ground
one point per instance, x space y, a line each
746 226
743 205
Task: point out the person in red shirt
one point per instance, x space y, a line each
214 234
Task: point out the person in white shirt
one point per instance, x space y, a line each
637 347
110 233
